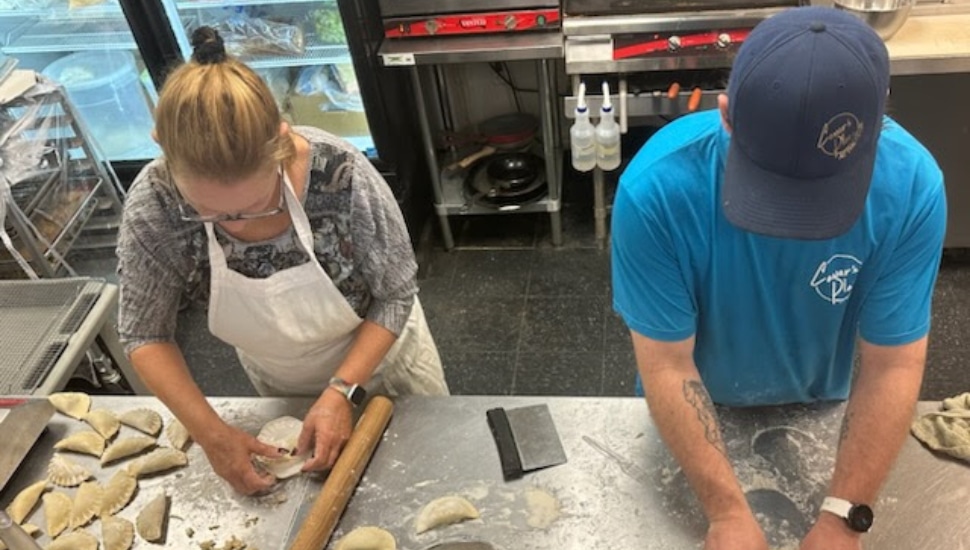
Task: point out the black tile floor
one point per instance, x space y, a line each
512 314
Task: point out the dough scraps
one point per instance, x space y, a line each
543 508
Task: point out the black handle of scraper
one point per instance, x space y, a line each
508 454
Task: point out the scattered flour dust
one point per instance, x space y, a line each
543 508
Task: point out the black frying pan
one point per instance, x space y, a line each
508 132
513 170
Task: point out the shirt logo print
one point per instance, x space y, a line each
835 277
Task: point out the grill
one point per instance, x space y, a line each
39 318
628 36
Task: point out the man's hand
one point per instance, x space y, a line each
831 533
738 533
230 451
326 428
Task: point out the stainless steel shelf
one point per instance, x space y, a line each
63 12
472 49
647 104
316 53
455 201
70 36
203 4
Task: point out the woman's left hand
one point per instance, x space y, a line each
326 428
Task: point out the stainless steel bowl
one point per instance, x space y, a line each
884 16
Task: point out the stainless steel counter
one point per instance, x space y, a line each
203 507
620 488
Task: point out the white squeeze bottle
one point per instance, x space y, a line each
582 136
607 135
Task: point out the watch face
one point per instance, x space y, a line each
860 518
357 395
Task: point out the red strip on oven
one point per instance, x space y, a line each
472 23
720 39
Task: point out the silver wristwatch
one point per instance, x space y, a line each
353 392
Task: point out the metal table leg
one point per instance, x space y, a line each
599 205
549 148
109 338
431 157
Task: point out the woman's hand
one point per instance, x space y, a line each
736 533
230 451
326 428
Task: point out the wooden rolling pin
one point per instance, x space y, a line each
344 476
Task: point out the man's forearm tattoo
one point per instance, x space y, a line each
696 394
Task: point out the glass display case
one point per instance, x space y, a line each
87 46
298 46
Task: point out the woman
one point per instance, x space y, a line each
299 248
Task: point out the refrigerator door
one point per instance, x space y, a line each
87 46
300 49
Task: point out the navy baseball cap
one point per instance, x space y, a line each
806 98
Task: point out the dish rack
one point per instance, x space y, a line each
63 195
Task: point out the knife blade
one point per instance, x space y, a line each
14 535
19 430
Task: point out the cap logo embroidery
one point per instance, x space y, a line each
835 277
840 135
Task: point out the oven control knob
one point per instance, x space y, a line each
723 40
431 26
510 22
673 43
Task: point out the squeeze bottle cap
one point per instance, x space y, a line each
581 100
607 104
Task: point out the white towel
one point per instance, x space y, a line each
947 430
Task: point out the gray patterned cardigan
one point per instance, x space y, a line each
359 238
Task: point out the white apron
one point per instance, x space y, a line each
293 329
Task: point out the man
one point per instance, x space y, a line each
754 244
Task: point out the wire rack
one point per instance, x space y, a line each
38 318
70 186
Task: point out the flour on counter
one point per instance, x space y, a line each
543 508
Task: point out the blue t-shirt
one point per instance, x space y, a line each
775 320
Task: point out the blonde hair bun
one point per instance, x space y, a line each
207 46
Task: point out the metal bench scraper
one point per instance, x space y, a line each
527 439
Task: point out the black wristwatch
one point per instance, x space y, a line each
857 516
353 392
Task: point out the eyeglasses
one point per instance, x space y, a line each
191 216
